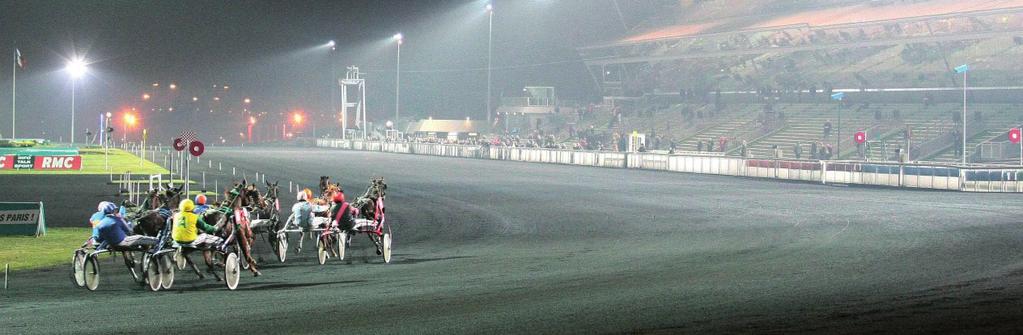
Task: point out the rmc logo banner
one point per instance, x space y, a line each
57 163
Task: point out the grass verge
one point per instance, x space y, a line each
55 248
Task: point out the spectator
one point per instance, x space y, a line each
710 146
744 149
723 143
777 151
813 151
827 129
797 150
699 146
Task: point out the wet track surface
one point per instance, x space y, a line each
504 247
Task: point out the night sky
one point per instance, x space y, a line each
274 53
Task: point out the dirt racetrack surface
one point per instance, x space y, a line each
503 247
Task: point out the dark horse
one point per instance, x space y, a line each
367 203
151 216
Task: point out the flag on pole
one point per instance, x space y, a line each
19 59
962 68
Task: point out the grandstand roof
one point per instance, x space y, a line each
855 14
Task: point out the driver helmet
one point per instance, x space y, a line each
107 208
200 199
302 196
339 197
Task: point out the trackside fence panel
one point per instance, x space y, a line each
922 176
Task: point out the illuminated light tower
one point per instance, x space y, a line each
252 122
333 76
397 77
76 68
490 52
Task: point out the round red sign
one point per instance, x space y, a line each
179 144
860 137
196 148
1014 135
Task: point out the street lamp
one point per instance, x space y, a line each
397 77
76 68
490 52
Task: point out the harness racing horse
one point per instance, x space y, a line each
370 206
372 201
235 210
152 215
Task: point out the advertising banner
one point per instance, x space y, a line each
22 218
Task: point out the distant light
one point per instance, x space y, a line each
248 101
399 37
145 96
129 119
252 120
227 87
216 98
156 84
331 43
170 109
195 98
389 124
173 86
490 8
467 118
76 68
297 117
109 114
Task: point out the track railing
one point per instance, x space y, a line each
935 176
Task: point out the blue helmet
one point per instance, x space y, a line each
107 207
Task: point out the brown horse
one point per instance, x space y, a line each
152 215
237 201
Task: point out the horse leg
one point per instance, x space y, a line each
246 245
208 257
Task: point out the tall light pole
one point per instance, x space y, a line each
963 69
490 53
333 77
76 68
397 78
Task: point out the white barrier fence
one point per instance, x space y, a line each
923 176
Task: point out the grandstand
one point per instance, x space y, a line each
777 61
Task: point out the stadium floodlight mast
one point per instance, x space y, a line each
333 76
397 77
490 53
963 69
76 68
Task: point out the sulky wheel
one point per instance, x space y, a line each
342 245
232 271
321 250
282 247
153 278
385 244
91 273
78 268
179 259
166 270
